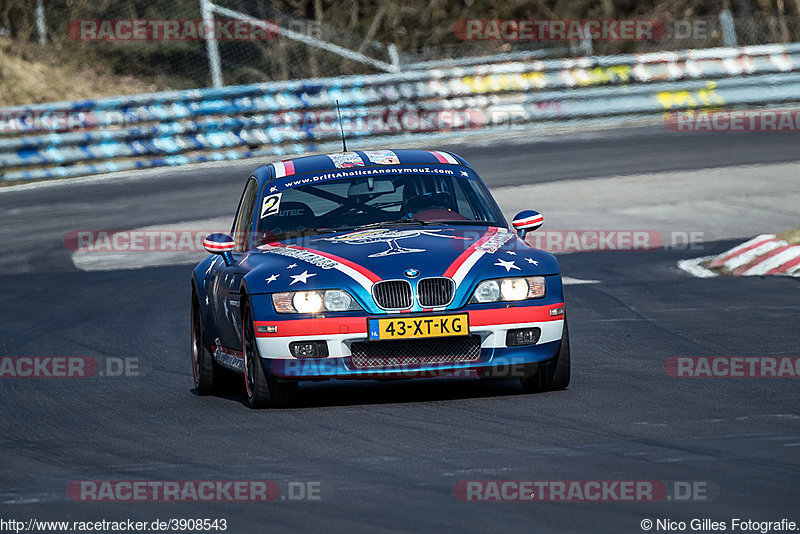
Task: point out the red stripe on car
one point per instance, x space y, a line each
314 327
468 252
517 314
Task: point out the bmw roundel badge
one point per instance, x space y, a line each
412 273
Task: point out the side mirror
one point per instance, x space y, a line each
527 221
221 244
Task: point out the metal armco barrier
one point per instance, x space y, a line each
276 119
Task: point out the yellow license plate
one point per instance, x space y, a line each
419 327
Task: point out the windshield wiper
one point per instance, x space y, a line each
293 234
415 222
470 223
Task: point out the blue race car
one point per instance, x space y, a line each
375 264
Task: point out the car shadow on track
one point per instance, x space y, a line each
373 392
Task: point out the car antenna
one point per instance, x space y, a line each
341 126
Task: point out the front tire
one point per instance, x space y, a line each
555 376
262 389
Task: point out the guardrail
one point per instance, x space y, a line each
179 127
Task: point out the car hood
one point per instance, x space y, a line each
354 260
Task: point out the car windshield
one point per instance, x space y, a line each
354 203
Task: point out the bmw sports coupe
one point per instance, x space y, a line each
374 265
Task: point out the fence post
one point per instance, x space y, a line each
394 57
586 42
212 47
728 28
41 29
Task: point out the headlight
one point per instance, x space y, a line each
509 289
334 300
488 291
514 289
307 301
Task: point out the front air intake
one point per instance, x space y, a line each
435 292
392 294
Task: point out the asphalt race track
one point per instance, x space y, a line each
388 455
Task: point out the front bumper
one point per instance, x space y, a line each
490 325
511 362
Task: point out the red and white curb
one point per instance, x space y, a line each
763 255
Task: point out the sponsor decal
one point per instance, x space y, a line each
382 157
345 160
228 357
496 241
307 256
366 172
271 205
298 212
388 236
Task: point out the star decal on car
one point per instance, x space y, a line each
292 266
302 277
507 264
272 278
529 260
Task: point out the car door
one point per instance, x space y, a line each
227 279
